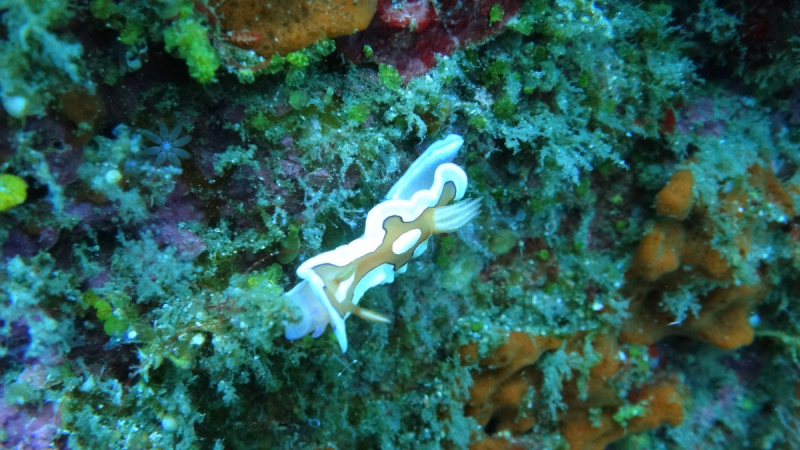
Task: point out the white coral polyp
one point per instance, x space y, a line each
168 145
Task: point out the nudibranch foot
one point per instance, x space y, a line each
452 217
313 316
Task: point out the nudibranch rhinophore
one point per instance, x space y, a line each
397 230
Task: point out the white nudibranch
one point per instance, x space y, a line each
397 230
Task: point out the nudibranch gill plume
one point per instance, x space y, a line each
396 230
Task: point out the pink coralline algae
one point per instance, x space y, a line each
181 206
187 244
29 427
25 245
408 34
318 178
703 118
292 167
34 425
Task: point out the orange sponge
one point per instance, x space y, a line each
697 253
500 386
494 444
676 198
658 252
673 251
723 319
668 246
664 405
765 179
283 26
671 255
508 374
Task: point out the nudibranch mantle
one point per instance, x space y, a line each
396 230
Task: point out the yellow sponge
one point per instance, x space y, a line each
13 191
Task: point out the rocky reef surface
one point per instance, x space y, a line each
631 281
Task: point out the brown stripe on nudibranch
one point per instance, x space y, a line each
396 230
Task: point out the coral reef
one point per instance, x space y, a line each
631 280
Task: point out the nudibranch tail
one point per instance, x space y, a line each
368 314
447 219
396 230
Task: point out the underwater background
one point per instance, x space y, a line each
632 280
